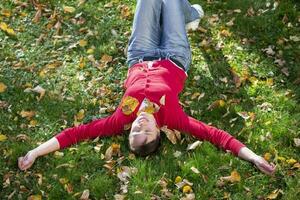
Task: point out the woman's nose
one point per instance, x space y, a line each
139 139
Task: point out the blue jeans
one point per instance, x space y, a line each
159 31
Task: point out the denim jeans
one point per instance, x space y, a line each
159 31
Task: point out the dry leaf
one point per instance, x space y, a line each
296 166
69 9
6 12
119 197
190 196
4 27
22 137
234 177
37 89
58 154
274 194
35 197
291 161
195 170
27 114
297 142
216 104
162 100
129 104
170 134
267 156
106 58
125 11
236 78
187 189
3 87
225 33
82 43
3 137
193 145
38 14
85 195
80 115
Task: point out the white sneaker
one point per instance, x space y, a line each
195 24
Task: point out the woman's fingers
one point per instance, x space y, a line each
265 167
27 161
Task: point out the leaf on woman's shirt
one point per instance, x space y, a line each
129 105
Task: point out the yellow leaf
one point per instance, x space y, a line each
54 64
4 27
63 180
90 51
281 158
3 137
69 9
115 147
2 87
35 197
33 123
274 194
225 33
267 156
291 161
82 62
80 115
234 177
6 13
187 189
82 43
178 179
129 104
216 104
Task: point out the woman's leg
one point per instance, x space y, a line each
146 31
174 40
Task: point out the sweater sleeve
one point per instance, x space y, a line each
108 126
203 131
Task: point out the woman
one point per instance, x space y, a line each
158 56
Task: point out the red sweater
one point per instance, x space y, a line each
152 82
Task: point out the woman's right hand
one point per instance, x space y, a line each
27 161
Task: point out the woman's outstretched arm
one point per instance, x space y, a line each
45 148
223 140
104 127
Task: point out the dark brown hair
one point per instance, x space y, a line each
146 149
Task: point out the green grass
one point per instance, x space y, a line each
70 88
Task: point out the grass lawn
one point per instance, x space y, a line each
246 68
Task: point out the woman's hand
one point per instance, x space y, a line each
27 161
264 166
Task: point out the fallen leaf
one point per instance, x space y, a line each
297 142
129 104
225 33
178 179
3 137
267 156
269 50
22 137
119 197
82 43
162 100
291 161
27 114
3 87
295 38
35 197
38 14
187 189
193 145
234 177
285 71
125 12
274 194
106 58
58 154
216 104
170 134
190 196
296 166
69 9
4 27
85 195
6 12
80 115
38 89
195 170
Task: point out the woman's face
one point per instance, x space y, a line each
143 130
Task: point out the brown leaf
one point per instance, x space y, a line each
106 58
22 137
69 9
27 114
38 14
236 78
170 134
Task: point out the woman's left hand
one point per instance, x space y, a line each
264 166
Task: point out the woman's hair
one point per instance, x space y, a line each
146 149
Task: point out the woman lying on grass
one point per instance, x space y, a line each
159 57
